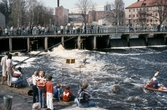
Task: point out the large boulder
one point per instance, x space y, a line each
116 88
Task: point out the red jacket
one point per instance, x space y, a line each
150 84
49 87
66 95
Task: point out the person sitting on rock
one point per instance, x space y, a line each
83 99
17 78
68 95
57 92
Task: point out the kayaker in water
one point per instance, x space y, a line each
84 61
153 83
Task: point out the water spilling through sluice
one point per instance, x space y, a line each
118 43
135 41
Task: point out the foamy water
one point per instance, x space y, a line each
102 71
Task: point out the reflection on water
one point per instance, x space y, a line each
108 69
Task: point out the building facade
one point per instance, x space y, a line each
97 15
2 20
61 16
93 14
142 12
96 8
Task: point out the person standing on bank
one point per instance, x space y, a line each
9 69
41 83
49 93
34 86
3 64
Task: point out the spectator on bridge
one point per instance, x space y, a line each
39 29
34 31
6 31
42 30
61 28
30 30
48 29
11 30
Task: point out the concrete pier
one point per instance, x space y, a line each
81 41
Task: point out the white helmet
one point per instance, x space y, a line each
154 78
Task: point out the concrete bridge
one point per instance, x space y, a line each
82 41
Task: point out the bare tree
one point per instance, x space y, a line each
5 8
47 15
84 6
161 7
31 4
37 13
118 14
24 12
17 13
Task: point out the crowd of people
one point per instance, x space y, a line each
44 91
12 76
43 88
42 30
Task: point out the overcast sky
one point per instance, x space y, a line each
68 4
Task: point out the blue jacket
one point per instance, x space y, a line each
57 93
156 84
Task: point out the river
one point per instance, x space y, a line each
105 70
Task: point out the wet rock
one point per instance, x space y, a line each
116 88
135 77
137 99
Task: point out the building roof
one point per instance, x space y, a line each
139 3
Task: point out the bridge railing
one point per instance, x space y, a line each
99 30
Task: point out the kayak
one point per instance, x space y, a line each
160 89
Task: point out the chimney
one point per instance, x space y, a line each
57 3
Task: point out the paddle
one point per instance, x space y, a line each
155 74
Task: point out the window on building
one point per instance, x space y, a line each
151 20
129 16
129 10
133 15
133 10
150 8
